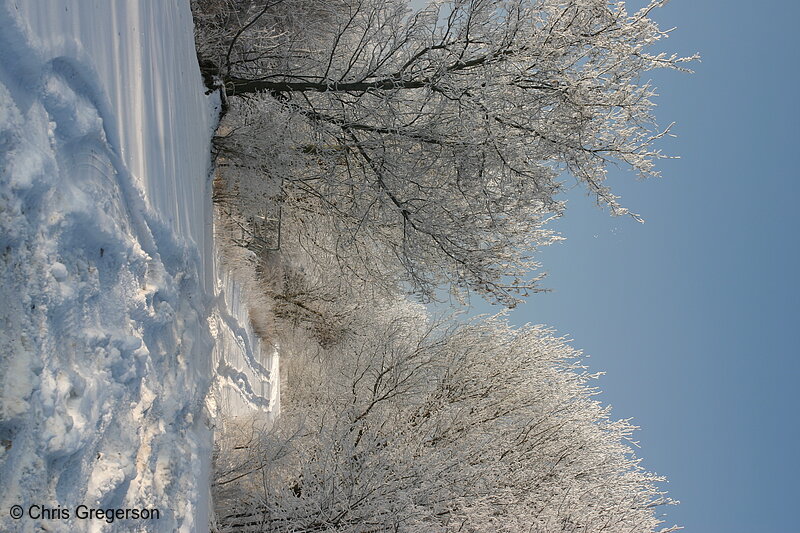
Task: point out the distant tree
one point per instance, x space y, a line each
410 426
440 134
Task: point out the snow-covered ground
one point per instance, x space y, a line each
119 336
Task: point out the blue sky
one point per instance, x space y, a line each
695 314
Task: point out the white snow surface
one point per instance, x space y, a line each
119 336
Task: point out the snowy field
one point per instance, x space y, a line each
119 337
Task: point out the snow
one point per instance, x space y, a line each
244 367
120 336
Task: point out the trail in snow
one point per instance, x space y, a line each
113 321
246 370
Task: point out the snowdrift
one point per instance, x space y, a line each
119 336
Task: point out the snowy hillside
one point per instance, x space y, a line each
118 335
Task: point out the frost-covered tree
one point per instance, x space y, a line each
441 134
411 426
399 150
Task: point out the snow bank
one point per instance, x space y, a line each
113 320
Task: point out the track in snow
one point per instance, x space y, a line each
110 329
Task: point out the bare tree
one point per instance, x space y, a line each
411 426
399 151
440 134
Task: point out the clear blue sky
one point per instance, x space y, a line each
695 315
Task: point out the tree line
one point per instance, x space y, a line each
372 155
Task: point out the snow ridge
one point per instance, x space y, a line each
104 338
121 335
